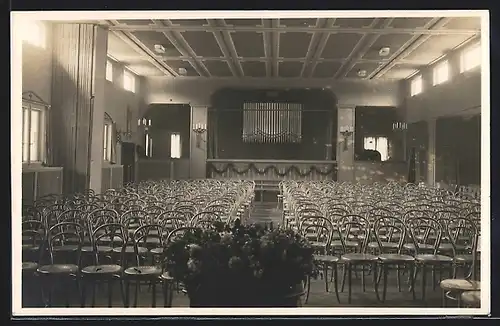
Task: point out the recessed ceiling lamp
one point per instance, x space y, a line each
384 51
362 73
159 48
182 71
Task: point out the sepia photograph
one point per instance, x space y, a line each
250 163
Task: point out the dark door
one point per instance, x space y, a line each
128 161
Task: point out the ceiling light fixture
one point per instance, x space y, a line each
362 73
384 51
159 48
182 71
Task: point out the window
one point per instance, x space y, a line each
441 73
33 140
470 58
108 141
416 86
109 71
33 32
379 144
272 122
175 145
149 145
129 81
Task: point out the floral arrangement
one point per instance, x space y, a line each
239 265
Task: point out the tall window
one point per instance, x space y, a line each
379 144
416 85
128 81
441 73
175 145
108 141
470 58
34 33
33 140
149 145
272 122
109 71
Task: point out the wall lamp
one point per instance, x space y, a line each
199 129
346 131
399 126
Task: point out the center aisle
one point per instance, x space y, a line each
265 212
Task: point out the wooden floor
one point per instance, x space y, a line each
266 212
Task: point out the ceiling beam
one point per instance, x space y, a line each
409 47
367 41
266 39
261 59
309 70
275 47
313 46
183 47
294 29
227 48
363 41
140 48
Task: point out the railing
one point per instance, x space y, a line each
272 170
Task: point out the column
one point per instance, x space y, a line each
77 115
198 149
431 152
345 143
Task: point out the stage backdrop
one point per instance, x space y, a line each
301 123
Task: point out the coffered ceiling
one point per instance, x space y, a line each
335 48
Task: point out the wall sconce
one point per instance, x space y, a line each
346 131
144 122
199 129
399 126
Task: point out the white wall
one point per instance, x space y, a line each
37 67
460 95
197 91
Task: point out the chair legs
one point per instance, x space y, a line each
85 282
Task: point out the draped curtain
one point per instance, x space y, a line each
71 113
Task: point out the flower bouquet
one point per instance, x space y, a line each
240 265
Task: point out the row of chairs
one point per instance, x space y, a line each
381 226
67 239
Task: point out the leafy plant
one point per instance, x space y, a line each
240 262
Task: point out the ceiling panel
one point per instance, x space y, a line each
436 46
353 22
369 67
189 22
326 69
298 22
290 69
393 41
136 21
149 39
248 44
464 23
203 43
218 68
243 22
340 45
176 64
410 22
254 68
294 45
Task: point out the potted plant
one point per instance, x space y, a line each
240 265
